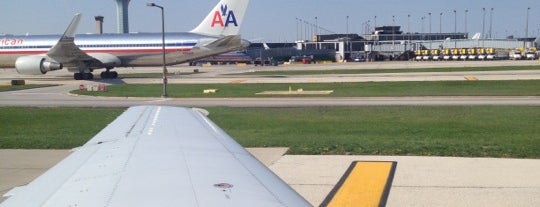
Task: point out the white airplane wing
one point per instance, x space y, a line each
158 156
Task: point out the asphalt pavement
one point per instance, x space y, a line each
419 181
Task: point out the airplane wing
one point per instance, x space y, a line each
158 156
67 53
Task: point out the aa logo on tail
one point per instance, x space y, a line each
224 13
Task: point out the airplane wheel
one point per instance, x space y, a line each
105 75
77 76
87 76
109 75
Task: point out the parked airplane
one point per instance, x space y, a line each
158 156
81 54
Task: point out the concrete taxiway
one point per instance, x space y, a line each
233 74
418 181
59 96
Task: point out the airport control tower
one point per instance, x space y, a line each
122 15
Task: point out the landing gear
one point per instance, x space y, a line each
83 76
89 76
109 75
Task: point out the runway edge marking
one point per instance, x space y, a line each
365 183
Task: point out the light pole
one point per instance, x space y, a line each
455 21
316 26
440 22
429 22
297 33
408 31
429 37
375 27
409 26
527 24
393 29
455 27
483 22
490 23
347 41
466 12
393 35
162 47
526 28
347 25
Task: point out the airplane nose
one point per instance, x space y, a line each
245 43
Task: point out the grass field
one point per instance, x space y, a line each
410 130
400 70
20 87
366 89
51 128
493 131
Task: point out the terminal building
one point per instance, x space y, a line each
386 43
390 43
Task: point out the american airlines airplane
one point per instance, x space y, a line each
81 54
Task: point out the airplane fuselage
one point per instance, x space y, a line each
82 54
134 49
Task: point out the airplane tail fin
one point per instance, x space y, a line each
225 19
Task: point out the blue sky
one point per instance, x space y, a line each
275 20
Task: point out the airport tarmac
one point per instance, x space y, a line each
235 74
418 181
59 96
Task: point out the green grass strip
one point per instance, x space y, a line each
380 130
51 128
475 131
363 89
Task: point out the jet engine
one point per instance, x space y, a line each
35 65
